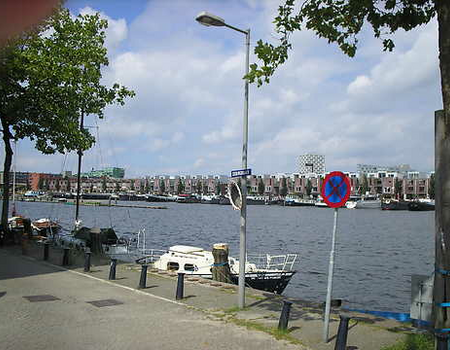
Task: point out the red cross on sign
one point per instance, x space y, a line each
335 189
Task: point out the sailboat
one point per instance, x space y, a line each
94 239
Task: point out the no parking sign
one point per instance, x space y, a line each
335 189
335 192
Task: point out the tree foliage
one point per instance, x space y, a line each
284 189
180 187
261 187
308 187
340 22
49 78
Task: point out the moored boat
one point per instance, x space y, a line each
271 273
394 205
368 204
421 206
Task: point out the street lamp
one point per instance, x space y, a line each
209 19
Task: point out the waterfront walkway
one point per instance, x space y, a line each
86 311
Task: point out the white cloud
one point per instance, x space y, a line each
188 110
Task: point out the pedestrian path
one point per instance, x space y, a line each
114 314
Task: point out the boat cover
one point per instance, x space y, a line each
95 237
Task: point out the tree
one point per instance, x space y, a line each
308 187
205 189
117 186
132 187
50 78
57 185
180 188
104 184
218 190
40 185
147 186
162 186
199 187
261 187
284 189
364 185
431 187
398 190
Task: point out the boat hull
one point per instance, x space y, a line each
420 206
269 281
394 205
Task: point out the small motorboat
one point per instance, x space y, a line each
266 272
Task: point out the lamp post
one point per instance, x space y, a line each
208 20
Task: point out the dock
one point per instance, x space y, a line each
46 305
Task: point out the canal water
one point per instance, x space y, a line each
377 251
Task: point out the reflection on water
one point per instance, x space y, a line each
377 251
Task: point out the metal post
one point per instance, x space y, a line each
65 261
87 261
442 341
143 279
341 339
284 317
112 269
46 250
441 288
243 230
180 286
330 280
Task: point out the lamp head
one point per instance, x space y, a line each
208 19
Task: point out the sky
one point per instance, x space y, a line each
186 117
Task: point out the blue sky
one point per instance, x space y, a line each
186 117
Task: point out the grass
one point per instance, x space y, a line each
277 333
414 342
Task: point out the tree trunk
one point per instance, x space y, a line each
6 179
441 315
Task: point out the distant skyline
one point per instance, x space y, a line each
186 118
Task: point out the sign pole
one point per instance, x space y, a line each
330 280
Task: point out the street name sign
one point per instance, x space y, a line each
241 172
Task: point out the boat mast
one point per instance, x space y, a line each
80 155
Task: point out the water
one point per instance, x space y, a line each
376 253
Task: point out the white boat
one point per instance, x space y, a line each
368 204
271 273
350 205
321 204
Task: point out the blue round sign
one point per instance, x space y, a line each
335 189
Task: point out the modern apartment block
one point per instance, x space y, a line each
312 163
113 172
372 168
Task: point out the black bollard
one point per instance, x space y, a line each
46 250
442 341
65 261
341 339
143 279
87 261
180 286
284 317
112 269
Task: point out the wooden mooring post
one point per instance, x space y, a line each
221 268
